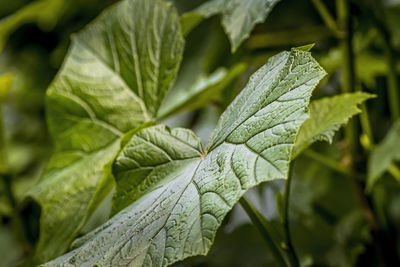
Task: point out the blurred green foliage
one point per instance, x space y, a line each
330 215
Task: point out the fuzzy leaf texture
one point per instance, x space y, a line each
173 195
238 17
384 155
114 78
327 115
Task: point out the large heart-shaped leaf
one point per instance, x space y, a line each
115 76
238 17
174 195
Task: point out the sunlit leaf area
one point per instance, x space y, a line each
201 133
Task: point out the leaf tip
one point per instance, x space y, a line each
305 48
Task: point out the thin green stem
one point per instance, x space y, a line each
393 85
368 141
295 37
260 223
348 69
349 85
289 248
8 189
327 17
395 172
369 144
3 156
367 138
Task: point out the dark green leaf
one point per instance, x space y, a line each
238 17
384 155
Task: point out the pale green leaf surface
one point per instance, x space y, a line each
384 155
114 78
327 115
238 17
182 193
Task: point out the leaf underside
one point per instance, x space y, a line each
114 78
174 195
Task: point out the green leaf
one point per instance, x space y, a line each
384 155
204 89
113 80
327 115
176 195
189 21
198 83
6 81
238 17
43 12
306 48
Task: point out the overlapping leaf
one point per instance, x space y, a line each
384 155
114 78
176 195
238 17
197 85
327 115
202 90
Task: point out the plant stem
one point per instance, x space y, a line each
393 85
395 172
348 85
392 81
327 18
3 156
260 223
366 128
8 190
370 144
291 253
332 164
295 37
348 69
